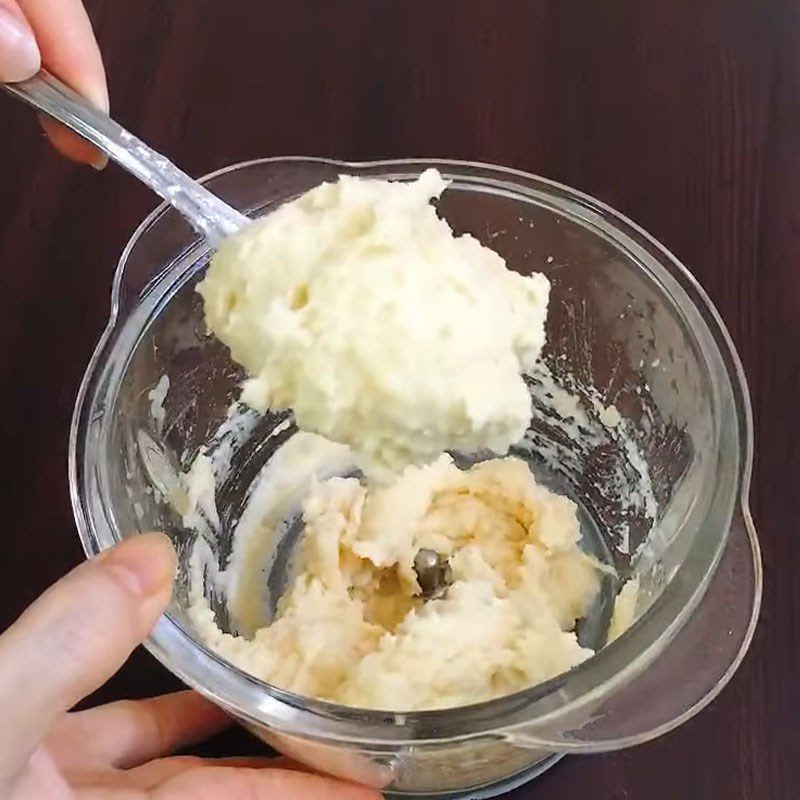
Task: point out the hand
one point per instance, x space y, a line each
66 645
58 34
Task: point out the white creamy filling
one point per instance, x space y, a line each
357 307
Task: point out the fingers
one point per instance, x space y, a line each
149 776
69 50
212 782
68 47
128 733
71 145
76 636
19 55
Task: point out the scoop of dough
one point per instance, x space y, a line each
358 308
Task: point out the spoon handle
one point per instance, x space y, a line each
208 214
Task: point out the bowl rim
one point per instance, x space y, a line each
292 713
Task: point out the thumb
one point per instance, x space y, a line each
19 54
75 636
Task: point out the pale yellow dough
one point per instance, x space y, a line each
357 307
352 629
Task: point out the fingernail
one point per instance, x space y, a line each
142 568
96 93
100 163
98 97
19 55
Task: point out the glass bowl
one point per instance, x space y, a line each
662 492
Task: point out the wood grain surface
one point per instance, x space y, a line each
685 115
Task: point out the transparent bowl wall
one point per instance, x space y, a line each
624 315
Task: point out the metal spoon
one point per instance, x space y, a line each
209 215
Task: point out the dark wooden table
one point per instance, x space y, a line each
684 115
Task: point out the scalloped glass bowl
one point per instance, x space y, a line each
626 316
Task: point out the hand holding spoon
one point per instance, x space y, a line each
209 215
